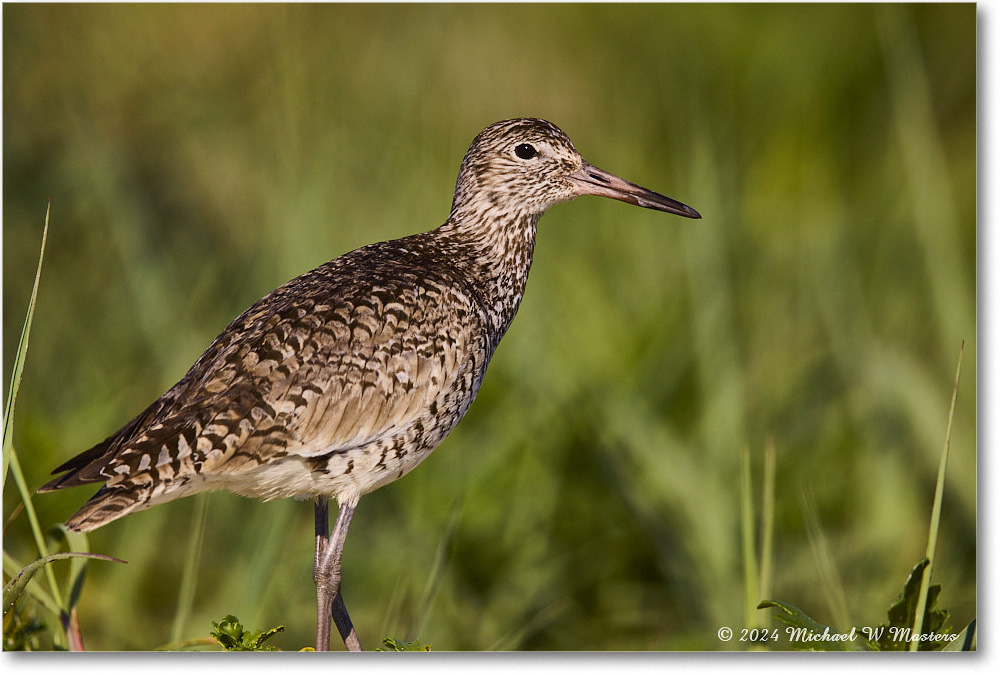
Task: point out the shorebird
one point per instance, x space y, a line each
343 379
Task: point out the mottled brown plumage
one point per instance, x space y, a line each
345 378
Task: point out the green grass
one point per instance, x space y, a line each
21 626
935 525
10 460
198 156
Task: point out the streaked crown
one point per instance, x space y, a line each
520 163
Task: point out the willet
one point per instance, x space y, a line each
343 379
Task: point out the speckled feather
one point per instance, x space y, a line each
345 378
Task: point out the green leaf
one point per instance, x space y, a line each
13 589
234 638
394 645
966 641
79 542
791 615
903 611
12 567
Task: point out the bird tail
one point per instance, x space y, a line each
106 505
120 498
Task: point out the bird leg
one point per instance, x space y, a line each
326 574
344 626
322 539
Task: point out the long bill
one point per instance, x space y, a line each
590 180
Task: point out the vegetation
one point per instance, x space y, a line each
234 638
198 156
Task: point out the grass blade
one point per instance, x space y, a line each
437 569
22 349
833 589
9 454
750 574
932 534
13 589
80 543
12 567
767 521
185 597
966 641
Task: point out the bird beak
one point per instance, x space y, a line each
589 180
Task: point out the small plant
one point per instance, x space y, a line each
394 645
903 612
896 635
22 630
914 624
234 638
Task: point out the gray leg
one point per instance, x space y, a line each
326 574
322 538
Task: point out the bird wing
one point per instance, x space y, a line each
319 365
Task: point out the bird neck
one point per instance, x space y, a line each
497 248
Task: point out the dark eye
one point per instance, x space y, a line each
525 151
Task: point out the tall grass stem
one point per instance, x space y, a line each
830 579
932 534
767 521
751 590
9 453
189 579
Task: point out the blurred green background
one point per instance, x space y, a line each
198 156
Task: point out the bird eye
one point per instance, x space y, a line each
525 151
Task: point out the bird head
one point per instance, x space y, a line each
527 165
